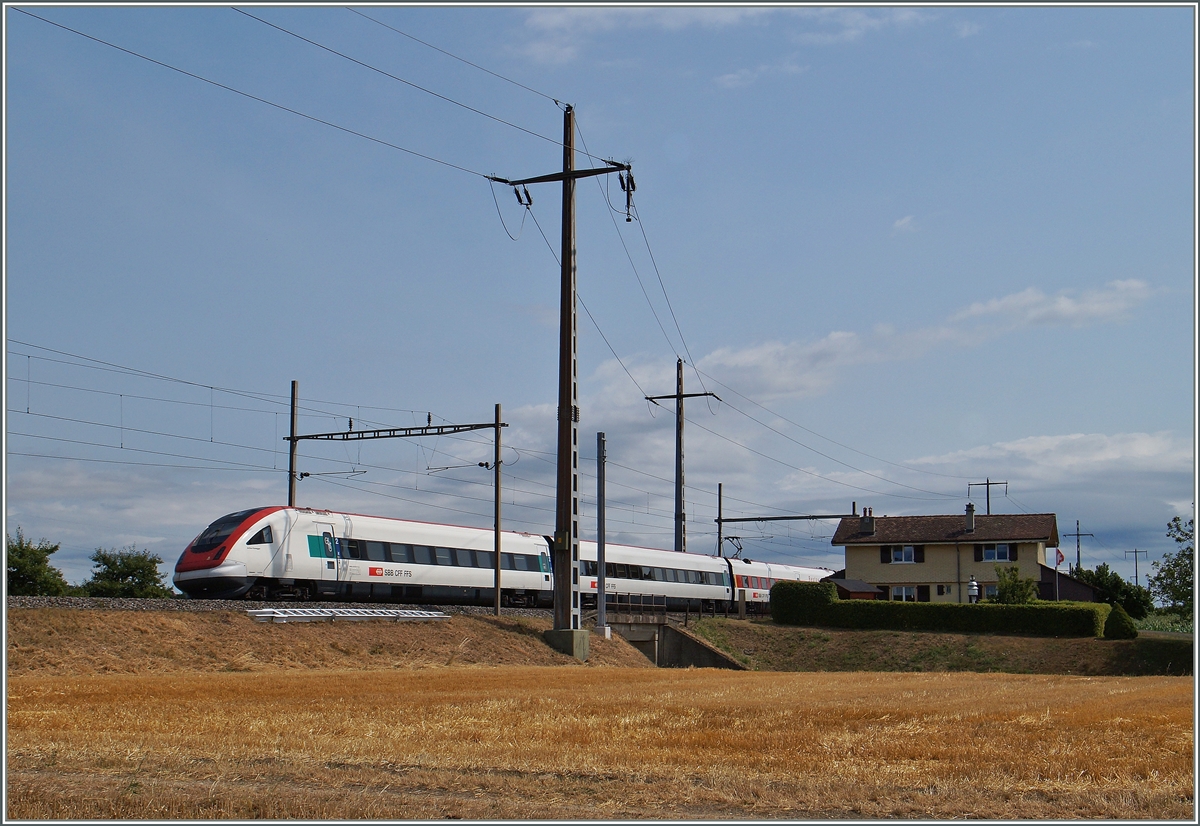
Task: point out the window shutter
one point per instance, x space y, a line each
885 555
922 593
979 553
919 555
1012 552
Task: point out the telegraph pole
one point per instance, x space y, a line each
988 485
566 509
1135 553
1077 534
679 396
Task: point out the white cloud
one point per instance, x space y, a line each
906 224
745 77
964 28
1032 306
1077 455
846 25
560 33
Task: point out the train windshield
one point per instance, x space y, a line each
219 531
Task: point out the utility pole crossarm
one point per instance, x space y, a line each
396 432
682 396
572 175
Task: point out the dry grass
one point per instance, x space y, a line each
609 743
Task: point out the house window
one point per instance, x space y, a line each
903 553
904 593
943 590
989 591
995 553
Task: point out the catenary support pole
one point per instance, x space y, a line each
601 598
292 451
720 518
496 543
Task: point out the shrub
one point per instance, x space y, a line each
1119 625
801 603
1047 619
29 572
1014 589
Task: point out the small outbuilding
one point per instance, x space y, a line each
854 588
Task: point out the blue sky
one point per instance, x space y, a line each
910 249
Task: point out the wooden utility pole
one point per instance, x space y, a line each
988 485
566 503
1135 553
1077 534
679 396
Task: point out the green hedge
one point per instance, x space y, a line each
816 603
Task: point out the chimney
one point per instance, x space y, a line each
970 518
866 523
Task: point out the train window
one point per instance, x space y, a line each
670 574
463 558
351 548
506 561
590 568
218 531
422 554
442 556
658 574
622 571
647 572
485 559
523 562
263 537
544 560
635 571
400 553
377 551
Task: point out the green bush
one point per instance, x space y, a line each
801 603
1119 625
1046 619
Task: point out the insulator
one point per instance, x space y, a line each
528 197
632 185
517 192
621 180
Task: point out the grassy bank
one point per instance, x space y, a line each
764 646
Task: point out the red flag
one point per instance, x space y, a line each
1058 557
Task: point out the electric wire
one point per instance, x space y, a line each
826 438
456 57
399 79
279 106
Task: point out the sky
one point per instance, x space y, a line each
908 250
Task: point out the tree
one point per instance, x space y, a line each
1012 588
1119 626
1173 582
1114 590
126 573
29 571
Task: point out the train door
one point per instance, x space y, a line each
329 567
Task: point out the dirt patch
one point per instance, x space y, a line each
764 646
48 641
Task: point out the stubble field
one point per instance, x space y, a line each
436 738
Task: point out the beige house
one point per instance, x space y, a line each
934 558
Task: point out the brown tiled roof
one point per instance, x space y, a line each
932 530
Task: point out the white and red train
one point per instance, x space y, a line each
300 553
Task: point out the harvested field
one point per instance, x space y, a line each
420 732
